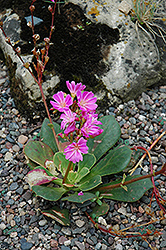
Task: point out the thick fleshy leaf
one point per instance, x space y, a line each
38 152
49 193
111 134
88 161
61 162
47 136
114 162
39 177
60 215
79 198
99 210
90 183
57 181
134 191
82 173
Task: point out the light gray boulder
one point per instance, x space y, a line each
130 68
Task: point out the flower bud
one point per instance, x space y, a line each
34 51
38 52
7 39
46 59
1 24
43 51
52 28
29 24
32 8
18 50
36 37
47 40
26 65
50 8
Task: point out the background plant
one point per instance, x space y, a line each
145 14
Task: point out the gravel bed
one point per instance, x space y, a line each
22 226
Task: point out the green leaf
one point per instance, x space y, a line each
114 162
99 210
58 181
49 193
134 191
60 215
79 199
83 172
38 152
39 176
111 134
90 183
88 161
47 136
61 162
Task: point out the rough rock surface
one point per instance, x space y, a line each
130 68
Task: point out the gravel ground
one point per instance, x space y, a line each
22 226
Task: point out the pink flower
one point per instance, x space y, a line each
68 117
73 88
61 103
80 193
74 151
86 101
90 129
71 128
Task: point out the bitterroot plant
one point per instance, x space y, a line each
69 161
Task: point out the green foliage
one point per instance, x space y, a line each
129 193
60 215
84 180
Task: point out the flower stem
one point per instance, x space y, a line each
133 180
49 117
143 157
67 171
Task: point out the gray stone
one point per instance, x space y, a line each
131 68
13 186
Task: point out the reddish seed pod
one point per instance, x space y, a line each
29 24
18 50
50 8
32 8
46 39
46 59
43 51
7 39
36 37
26 65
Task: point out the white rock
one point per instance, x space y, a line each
2 226
67 242
22 139
8 156
80 223
42 223
13 234
142 118
122 210
102 221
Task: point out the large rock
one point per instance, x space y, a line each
131 68
122 70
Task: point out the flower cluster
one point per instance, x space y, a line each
79 120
